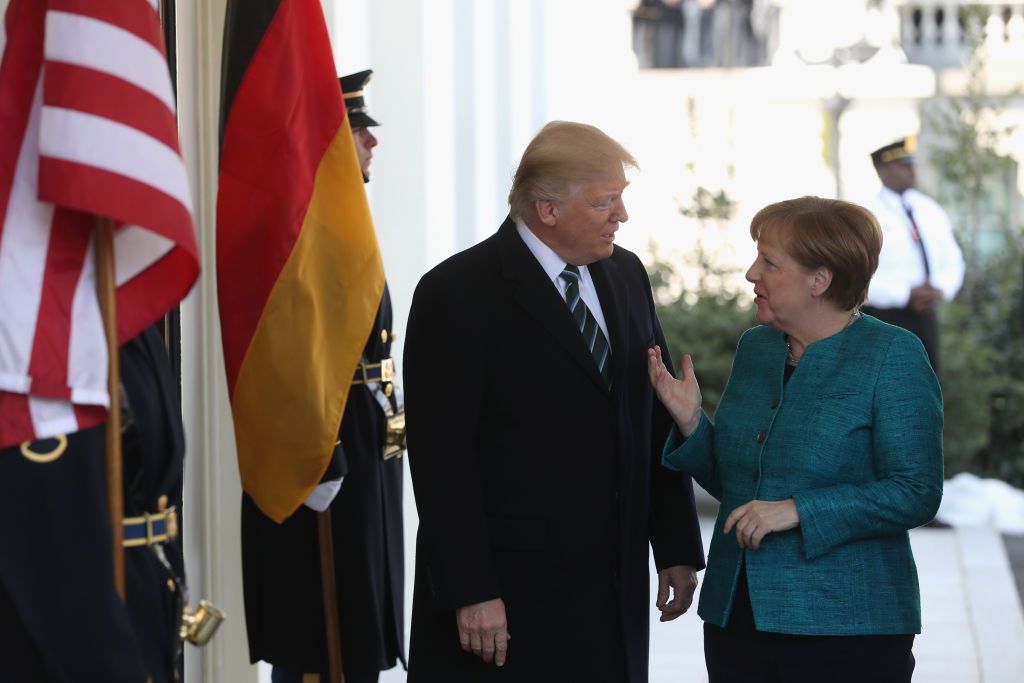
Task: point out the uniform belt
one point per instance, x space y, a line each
158 527
383 371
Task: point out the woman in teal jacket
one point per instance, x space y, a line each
826 448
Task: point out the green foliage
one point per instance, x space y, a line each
706 318
982 366
982 369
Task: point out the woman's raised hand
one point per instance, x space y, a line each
681 397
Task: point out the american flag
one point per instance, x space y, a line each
87 128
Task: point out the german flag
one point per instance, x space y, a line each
299 274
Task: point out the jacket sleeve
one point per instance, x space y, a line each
674 526
443 366
907 457
695 455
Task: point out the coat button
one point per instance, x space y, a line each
775 403
384 336
161 503
388 390
171 585
755 475
760 437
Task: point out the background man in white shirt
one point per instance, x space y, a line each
921 264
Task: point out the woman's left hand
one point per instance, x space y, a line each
758 518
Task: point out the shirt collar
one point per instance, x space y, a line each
551 262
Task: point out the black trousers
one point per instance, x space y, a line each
924 325
736 656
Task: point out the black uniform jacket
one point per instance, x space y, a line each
60 617
534 482
284 611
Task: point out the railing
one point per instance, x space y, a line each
933 32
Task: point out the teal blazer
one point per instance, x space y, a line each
855 438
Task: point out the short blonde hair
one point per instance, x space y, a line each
563 156
816 232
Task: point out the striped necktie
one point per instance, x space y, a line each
593 337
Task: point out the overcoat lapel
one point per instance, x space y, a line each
539 298
615 307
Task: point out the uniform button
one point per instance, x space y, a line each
775 403
755 475
384 336
171 586
388 390
760 437
161 503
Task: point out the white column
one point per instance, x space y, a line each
212 496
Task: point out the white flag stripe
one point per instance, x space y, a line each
136 249
155 4
23 250
94 44
111 146
87 345
51 417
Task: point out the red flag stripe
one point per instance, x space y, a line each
91 142
93 44
130 200
134 17
65 259
72 87
19 78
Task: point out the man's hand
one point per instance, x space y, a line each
683 581
758 518
925 297
483 630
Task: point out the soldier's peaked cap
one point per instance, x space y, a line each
355 104
901 150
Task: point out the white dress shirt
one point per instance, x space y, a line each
900 266
553 266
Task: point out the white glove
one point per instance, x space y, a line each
321 497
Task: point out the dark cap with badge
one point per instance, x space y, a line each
901 150
352 90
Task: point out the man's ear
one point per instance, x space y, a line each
821 280
547 211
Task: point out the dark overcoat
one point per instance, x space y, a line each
284 611
534 482
60 617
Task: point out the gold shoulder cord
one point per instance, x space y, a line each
43 458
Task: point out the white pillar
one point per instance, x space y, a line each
212 496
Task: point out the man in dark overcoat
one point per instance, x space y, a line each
362 488
61 620
535 440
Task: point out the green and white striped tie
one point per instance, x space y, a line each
593 337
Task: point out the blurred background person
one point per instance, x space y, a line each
826 449
920 265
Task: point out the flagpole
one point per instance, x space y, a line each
335 672
105 290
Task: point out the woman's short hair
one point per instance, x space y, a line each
562 157
816 232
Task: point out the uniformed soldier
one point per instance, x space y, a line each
920 265
362 488
61 619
